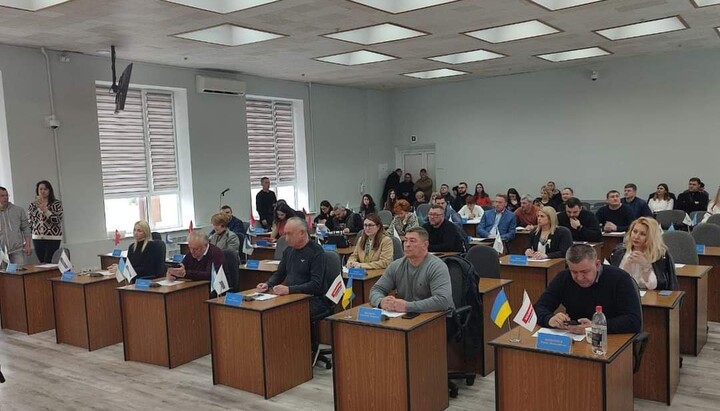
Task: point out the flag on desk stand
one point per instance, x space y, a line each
247 247
117 238
190 229
337 290
251 227
498 244
308 219
348 295
119 276
526 316
129 272
501 309
219 282
64 264
395 234
694 220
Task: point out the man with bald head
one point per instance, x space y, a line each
198 262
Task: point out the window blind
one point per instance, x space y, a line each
271 141
161 135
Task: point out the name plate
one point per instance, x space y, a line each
555 343
370 315
257 230
357 273
700 248
517 259
142 284
262 243
117 252
234 299
253 264
177 258
11 268
67 276
329 247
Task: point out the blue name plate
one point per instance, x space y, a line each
464 220
329 247
117 252
257 230
254 264
262 243
370 315
357 273
556 343
234 299
700 248
518 259
142 284
68 276
11 268
177 258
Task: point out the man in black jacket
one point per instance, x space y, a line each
582 223
391 183
694 199
265 201
443 236
345 220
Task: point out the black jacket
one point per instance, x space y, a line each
444 238
589 230
149 263
664 268
352 221
391 182
690 201
560 241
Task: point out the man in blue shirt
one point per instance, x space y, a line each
638 206
498 221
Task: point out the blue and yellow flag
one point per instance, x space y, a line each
501 309
348 295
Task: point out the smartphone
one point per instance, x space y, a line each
410 316
665 292
571 322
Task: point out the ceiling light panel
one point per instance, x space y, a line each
380 33
554 5
467 57
516 31
222 6
703 3
229 35
574 54
646 28
356 58
439 73
401 6
31 5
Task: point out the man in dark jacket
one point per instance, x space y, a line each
265 201
582 223
443 236
345 220
694 199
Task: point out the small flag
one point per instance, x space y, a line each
221 282
308 218
119 276
498 244
337 290
501 309
64 264
606 262
671 227
247 247
252 222
395 234
347 294
526 316
694 221
129 272
117 238
190 229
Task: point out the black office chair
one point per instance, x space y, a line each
280 246
681 246
707 234
485 261
56 255
668 217
333 267
397 248
640 341
232 270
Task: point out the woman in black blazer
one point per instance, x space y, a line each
548 240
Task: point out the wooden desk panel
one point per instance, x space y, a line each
693 280
106 260
145 333
26 300
263 253
610 241
520 243
533 277
711 257
470 229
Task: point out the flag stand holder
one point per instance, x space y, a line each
516 338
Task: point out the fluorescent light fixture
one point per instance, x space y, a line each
31 5
356 58
380 33
467 57
646 28
401 6
703 3
515 31
222 6
229 35
574 54
554 5
439 73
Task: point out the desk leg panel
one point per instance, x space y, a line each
619 382
39 300
188 325
702 314
144 327
427 365
524 278
13 308
104 320
688 316
71 327
713 286
651 382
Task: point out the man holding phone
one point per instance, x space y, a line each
421 279
585 284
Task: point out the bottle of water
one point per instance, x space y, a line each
599 332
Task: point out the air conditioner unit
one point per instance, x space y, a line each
215 85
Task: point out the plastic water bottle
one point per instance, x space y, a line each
599 332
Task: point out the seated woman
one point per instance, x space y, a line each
391 199
645 257
713 207
367 206
283 212
471 210
403 219
545 199
513 199
145 255
221 237
325 213
661 200
548 240
419 199
481 197
374 249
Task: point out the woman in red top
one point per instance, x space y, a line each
481 197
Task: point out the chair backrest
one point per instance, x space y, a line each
707 234
333 267
162 268
681 246
280 247
57 253
586 205
397 248
485 260
232 270
386 217
246 225
423 209
156 236
714 219
667 217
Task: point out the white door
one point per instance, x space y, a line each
413 163
414 160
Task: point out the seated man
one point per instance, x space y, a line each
198 262
694 198
566 193
526 214
421 279
449 213
586 284
615 216
442 234
498 221
638 206
582 223
235 225
345 220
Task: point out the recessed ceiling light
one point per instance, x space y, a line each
516 31
356 58
703 3
467 57
229 35
574 54
439 73
646 28
222 6
401 6
31 5
553 5
380 33
103 52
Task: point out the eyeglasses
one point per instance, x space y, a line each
369 225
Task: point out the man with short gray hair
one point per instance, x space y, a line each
15 232
199 260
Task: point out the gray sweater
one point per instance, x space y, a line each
426 288
14 227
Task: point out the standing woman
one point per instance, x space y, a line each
367 206
481 197
661 200
391 199
549 240
374 250
45 215
513 199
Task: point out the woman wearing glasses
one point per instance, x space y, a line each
374 249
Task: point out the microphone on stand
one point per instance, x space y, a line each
222 194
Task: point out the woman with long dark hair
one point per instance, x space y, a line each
45 215
367 206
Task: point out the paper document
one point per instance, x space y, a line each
537 260
575 337
346 270
473 221
262 296
168 282
274 262
679 265
47 266
642 293
478 239
392 314
105 273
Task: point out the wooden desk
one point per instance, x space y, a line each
533 277
107 259
398 364
711 257
529 379
520 243
610 241
470 229
659 373
263 253
693 281
87 312
250 277
261 347
165 326
26 302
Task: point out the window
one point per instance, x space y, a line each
139 159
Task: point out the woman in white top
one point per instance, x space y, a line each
470 210
661 200
713 207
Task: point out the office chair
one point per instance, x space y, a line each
386 217
423 209
707 234
714 219
485 261
333 267
397 248
698 216
280 247
667 217
681 246
232 270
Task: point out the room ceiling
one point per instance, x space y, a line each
142 31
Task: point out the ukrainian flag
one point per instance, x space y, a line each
501 309
348 295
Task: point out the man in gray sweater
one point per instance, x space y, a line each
14 230
421 279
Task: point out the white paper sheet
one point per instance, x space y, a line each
679 265
392 314
473 221
642 293
274 262
537 260
47 266
168 282
478 239
262 296
575 337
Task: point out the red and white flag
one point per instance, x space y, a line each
190 229
308 218
252 221
117 238
337 289
526 316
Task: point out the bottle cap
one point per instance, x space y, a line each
598 308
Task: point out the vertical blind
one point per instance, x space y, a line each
271 141
137 146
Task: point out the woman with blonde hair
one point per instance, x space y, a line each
145 255
221 237
645 257
713 207
374 249
548 240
